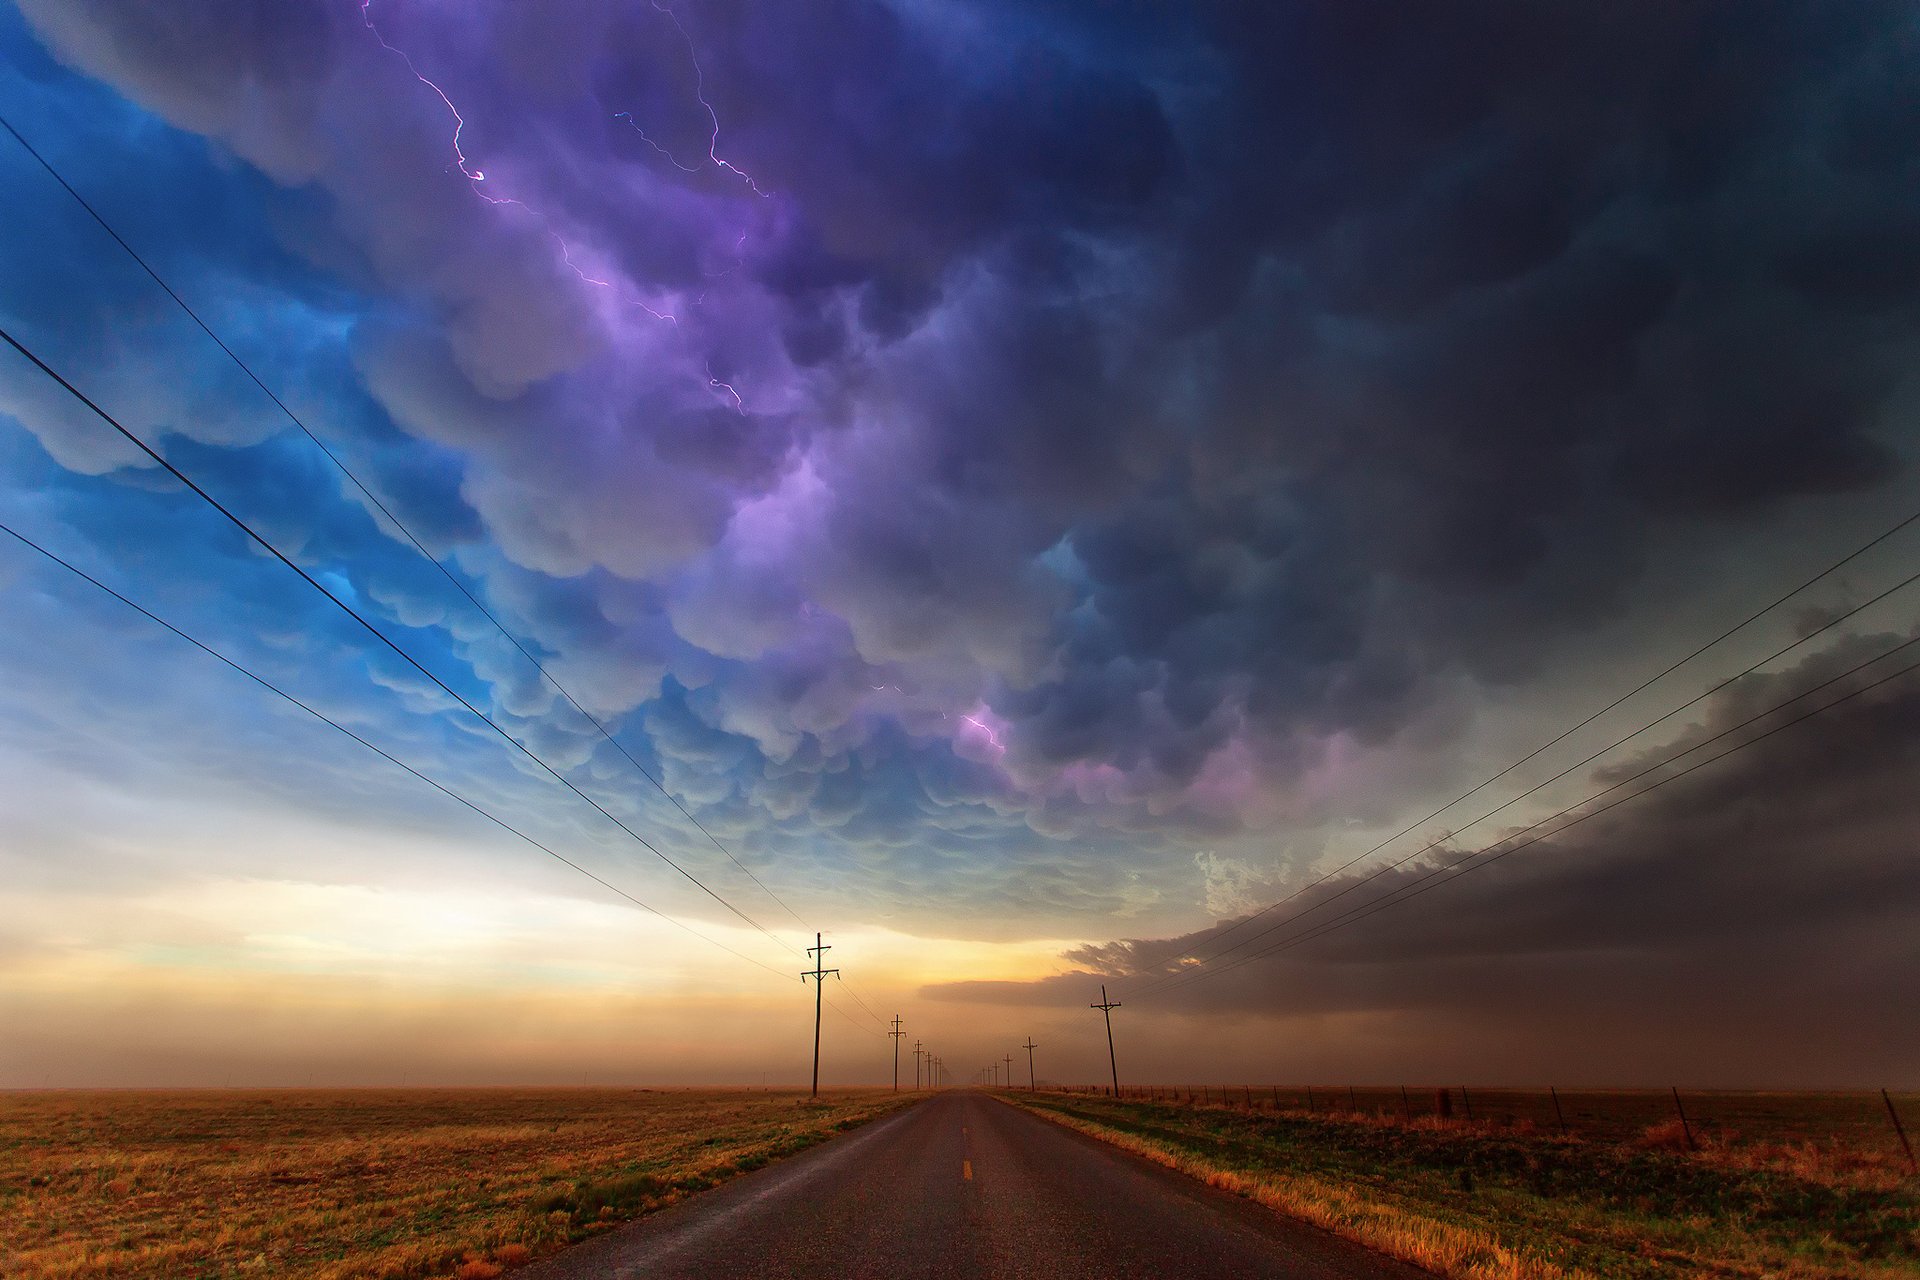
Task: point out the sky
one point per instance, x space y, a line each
1015 488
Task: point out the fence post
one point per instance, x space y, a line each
1468 1101
1353 1101
1249 1089
1406 1104
1557 1113
1899 1129
1684 1126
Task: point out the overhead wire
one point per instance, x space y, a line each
1536 788
1507 846
325 719
261 541
368 493
1709 691
848 986
1568 732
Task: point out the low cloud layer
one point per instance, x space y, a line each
1754 917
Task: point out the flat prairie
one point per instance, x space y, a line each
366 1184
1807 1186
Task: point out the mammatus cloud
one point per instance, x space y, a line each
1082 432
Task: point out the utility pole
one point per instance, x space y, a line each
1106 1008
1033 1082
916 1066
819 951
1009 1061
896 1033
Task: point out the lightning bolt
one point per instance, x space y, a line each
475 175
987 729
459 121
718 385
713 117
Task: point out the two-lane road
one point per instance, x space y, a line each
964 1186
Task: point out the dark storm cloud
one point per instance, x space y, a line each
1769 899
1132 400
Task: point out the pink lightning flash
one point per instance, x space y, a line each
713 117
475 175
459 122
718 385
985 728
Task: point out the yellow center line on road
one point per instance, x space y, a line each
966 1170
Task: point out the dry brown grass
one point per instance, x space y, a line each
1498 1199
1450 1249
365 1184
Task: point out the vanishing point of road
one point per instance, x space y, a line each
965 1186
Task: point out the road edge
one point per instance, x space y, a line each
1442 1248
559 1263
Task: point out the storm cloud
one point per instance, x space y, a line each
991 448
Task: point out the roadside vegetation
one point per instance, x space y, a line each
1498 1200
367 1184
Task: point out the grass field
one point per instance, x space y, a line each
1854 1120
1781 1185
365 1184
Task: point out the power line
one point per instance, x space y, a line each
852 1021
372 630
1505 847
1493 853
1642 687
1535 789
321 716
857 1000
384 510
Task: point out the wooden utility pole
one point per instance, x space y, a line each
896 1033
1033 1083
1106 1007
1900 1129
818 951
1009 1061
916 1066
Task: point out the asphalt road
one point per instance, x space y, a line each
963 1186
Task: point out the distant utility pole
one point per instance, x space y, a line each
896 1033
916 1066
1106 1008
1033 1082
819 951
1009 1061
